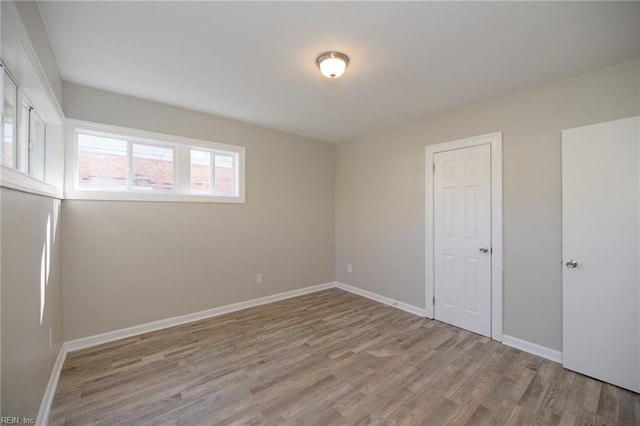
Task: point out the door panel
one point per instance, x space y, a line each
600 225
462 226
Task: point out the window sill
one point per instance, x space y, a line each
144 197
13 179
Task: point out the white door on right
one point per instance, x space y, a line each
462 238
600 237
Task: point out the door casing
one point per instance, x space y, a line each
495 141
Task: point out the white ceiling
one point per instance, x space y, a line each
255 61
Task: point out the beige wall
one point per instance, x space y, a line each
30 236
128 263
380 194
30 290
32 20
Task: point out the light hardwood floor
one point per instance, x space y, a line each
322 359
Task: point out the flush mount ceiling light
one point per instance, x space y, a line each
332 64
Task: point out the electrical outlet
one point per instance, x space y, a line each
50 338
349 269
259 279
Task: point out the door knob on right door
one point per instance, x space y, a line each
571 264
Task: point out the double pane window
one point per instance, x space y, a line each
120 163
22 131
213 172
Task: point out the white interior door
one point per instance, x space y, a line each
600 224
462 238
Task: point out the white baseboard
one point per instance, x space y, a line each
98 339
382 299
86 342
532 348
514 342
47 399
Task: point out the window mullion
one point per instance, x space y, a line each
76 161
182 169
212 165
234 180
2 77
130 175
30 142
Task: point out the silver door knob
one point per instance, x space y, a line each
571 264
484 250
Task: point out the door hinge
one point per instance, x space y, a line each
434 301
434 167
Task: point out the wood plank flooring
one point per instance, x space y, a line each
328 358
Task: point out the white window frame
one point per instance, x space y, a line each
17 175
182 173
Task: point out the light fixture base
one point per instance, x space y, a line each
332 64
